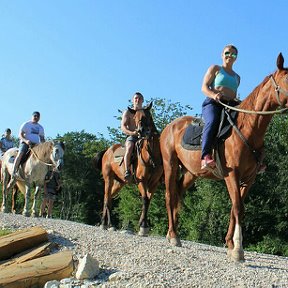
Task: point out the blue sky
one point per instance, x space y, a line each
78 62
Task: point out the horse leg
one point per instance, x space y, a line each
235 246
170 164
33 208
14 197
4 192
143 222
26 201
111 188
147 195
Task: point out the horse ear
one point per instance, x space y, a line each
131 110
62 144
148 107
280 62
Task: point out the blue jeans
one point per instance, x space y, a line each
211 112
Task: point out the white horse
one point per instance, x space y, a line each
32 171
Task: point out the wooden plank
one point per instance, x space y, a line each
21 240
37 252
37 272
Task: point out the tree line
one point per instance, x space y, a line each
204 216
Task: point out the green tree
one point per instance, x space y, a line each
82 193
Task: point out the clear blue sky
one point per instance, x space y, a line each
78 62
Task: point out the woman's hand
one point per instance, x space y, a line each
218 96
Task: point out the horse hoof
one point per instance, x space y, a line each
103 227
26 214
236 255
143 231
175 242
4 210
111 228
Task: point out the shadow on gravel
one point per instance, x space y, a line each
265 267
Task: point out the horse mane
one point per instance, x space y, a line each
249 102
43 149
152 124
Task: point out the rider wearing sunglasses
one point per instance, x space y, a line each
219 83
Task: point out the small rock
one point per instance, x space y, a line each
88 268
52 284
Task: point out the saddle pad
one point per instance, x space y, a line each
192 137
119 154
225 126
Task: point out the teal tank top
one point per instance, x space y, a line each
224 79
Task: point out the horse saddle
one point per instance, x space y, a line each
192 137
119 155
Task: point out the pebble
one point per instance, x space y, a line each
128 260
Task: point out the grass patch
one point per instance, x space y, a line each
4 232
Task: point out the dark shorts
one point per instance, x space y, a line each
51 195
133 139
23 148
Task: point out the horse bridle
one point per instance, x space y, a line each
278 90
45 163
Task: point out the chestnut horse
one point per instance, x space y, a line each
147 168
237 156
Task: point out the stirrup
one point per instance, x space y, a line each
128 175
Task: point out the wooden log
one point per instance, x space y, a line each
37 272
37 252
21 240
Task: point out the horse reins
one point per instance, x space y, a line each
34 153
278 90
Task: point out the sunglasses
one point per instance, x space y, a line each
232 54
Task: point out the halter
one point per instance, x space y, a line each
278 90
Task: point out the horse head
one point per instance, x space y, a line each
280 82
144 122
57 155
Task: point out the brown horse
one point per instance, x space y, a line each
147 167
238 157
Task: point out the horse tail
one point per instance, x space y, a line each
97 160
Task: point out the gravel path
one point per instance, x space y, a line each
151 262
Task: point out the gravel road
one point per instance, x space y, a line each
127 260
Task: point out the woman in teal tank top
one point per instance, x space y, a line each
220 82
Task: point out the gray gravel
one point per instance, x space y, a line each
128 260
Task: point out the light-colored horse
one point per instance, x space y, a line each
44 156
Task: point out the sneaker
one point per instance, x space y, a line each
208 162
128 176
